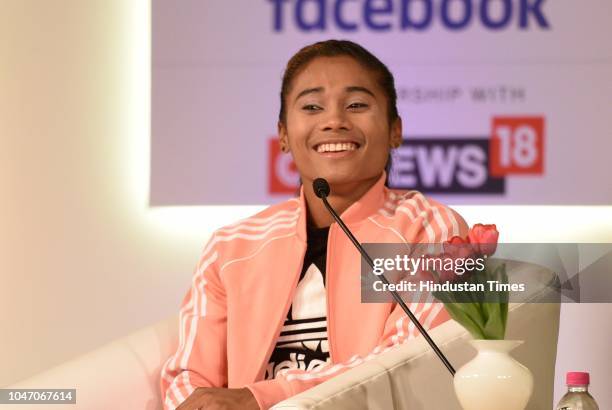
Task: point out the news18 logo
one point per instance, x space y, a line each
447 164
517 146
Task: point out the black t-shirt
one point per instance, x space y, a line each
302 343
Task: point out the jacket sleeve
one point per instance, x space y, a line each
201 357
438 224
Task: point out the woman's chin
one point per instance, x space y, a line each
344 177
343 180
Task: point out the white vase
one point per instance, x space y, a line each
493 379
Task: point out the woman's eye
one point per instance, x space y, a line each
311 107
357 105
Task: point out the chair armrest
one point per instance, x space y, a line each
123 374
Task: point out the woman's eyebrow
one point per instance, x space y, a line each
308 91
357 88
349 89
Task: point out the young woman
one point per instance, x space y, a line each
275 307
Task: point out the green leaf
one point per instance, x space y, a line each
483 319
464 320
505 299
494 328
497 309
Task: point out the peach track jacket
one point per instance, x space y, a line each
243 287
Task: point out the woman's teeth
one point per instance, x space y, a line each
344 146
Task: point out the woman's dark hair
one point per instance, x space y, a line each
336 48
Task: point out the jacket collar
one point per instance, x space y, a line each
365 206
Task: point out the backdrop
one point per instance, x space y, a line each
503 101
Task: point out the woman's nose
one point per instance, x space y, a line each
336 120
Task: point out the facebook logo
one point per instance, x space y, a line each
402 15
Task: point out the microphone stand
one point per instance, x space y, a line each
321 189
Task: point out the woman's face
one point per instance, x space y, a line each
337 125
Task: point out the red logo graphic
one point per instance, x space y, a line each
283 177
517 146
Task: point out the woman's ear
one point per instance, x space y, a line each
282 137
396 133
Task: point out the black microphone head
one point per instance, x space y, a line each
320 187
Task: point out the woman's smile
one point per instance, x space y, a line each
336 149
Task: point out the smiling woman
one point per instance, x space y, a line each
338 118
275 304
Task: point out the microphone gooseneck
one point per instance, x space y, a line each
322 190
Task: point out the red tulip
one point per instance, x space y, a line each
483 239
448 275
455 248
458 247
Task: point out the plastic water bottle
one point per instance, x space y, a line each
577 396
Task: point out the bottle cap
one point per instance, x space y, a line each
577 378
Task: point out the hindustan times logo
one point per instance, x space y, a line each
404 15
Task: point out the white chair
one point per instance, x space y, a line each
125 373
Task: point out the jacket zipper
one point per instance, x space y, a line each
272 343
330 339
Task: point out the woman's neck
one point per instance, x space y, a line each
340 198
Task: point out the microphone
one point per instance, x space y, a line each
321 189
